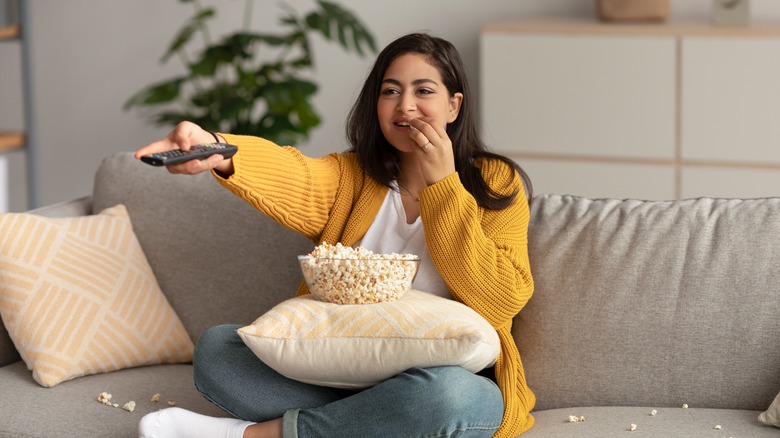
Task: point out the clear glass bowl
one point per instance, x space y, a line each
358 281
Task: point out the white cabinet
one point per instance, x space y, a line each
655 111
731 99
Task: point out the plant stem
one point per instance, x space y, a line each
203 28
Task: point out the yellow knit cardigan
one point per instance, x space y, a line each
481 254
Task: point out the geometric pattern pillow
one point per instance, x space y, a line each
360 345
78 297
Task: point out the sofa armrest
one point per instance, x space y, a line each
77 207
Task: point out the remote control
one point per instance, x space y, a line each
199 152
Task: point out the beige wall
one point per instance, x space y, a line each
89 56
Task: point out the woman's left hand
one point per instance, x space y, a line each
437 160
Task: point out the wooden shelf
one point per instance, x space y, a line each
10 32
11 140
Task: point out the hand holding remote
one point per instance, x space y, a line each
185 137
199 152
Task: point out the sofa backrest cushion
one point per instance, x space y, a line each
653 303
217 259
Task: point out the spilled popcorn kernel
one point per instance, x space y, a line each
573 419
632 427
155 398
685 406
105 398
653 413
718 427
171 403
582 418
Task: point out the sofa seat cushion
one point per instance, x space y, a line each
607 422
71 409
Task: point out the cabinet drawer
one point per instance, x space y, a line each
579 94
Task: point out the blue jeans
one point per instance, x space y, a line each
420 402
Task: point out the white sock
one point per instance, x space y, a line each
181 423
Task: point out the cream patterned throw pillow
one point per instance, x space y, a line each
78 297
359 345
771 417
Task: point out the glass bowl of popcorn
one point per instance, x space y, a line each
345 275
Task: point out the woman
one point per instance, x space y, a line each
417 179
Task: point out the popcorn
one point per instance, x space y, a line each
105 398
345 275
685 406
155 398
632 427
653 412
171 403
575 419
718 427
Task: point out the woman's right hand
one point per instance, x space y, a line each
184 136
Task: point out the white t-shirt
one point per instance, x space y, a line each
390 233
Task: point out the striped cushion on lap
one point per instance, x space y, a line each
359 345
78 297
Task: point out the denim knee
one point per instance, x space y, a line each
212 340
210 352
452 392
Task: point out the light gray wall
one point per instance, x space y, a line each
89 56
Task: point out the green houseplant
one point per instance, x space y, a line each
249 82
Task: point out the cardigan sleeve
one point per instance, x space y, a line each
295 190
481 254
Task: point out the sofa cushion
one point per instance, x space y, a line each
71 409
78 207
771 416
360 345
216 258
78 297
654 303
615 422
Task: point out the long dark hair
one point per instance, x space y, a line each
381 160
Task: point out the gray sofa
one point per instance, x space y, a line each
639 306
